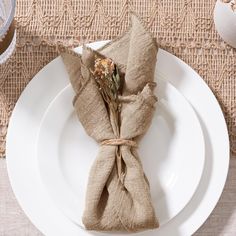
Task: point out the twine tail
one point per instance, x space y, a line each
120 171
119 160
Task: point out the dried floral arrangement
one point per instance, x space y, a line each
107 76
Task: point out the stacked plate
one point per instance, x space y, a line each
185 153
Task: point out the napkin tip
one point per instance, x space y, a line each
136 20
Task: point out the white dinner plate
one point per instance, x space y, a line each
23 131
66 153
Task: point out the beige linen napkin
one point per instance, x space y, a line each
118 194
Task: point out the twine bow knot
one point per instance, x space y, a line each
119 141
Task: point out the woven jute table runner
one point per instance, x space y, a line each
185 28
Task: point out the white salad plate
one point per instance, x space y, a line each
23 150
65 153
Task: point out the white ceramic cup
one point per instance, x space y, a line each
225 22
7 29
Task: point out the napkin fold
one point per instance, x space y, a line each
118 193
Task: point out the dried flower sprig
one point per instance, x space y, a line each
107 76
109 80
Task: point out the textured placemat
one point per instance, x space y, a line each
182 27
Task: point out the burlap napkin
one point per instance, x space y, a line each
118 194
